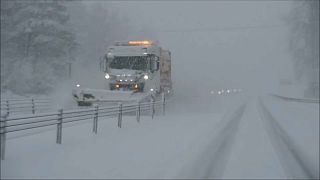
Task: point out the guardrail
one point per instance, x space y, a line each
10 124
30 105
296 99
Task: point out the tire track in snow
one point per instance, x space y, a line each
212 161
290 155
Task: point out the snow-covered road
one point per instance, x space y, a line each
253 155
234 142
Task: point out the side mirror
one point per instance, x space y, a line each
154 64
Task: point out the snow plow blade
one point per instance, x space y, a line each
86 97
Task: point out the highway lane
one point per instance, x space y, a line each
251 144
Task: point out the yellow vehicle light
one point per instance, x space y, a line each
139 42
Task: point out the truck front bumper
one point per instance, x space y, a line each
136 87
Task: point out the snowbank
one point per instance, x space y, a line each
157 148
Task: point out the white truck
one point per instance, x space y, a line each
133 70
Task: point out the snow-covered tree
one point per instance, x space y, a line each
37 41
305 43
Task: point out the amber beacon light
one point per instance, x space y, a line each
139 42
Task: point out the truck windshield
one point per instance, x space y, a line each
129 62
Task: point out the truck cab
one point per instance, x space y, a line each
132 66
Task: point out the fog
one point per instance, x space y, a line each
218 44
243 102
215 45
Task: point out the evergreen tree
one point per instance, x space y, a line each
37 38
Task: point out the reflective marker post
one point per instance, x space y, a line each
3 124
33 106
95 119
153 110
59 127
163 104
138 112
120 115
8 107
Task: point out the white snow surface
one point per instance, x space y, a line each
230 140
156 148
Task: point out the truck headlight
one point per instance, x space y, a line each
107 76
146 77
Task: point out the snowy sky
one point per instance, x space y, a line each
207 47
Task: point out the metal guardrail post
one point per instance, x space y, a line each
163 104
120 115
3 125
152 108
138 112
8 107
95 119
33 106
59 127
